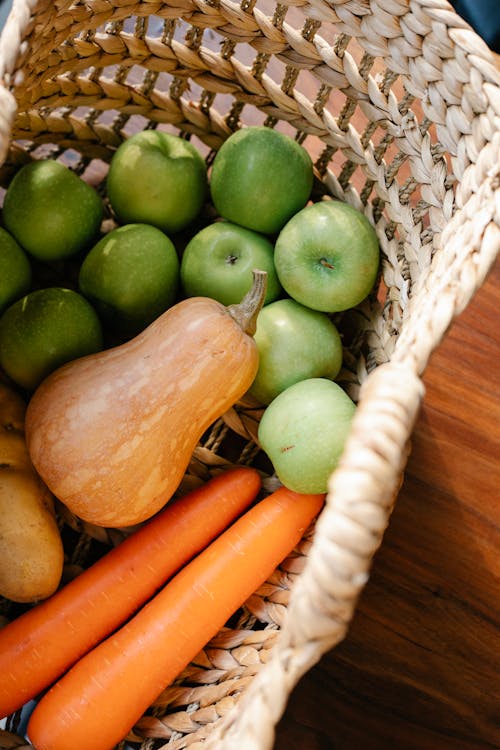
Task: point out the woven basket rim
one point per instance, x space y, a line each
437 269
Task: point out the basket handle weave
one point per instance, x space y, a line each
348 532
12 47
469 246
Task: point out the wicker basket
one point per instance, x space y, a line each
398 102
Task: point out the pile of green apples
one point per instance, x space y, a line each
180 229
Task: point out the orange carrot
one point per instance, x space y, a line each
99 700
42 643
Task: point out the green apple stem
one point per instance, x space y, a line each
245 312
324 262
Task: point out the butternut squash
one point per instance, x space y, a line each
112 433
31 550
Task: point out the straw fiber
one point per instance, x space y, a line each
398 103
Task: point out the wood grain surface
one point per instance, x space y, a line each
420 667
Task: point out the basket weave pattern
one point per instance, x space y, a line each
398 102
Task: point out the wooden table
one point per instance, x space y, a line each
420 667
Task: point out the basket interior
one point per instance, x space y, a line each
346 83
330 76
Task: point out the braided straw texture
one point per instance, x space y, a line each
398 103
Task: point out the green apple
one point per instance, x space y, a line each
327 256
303 432
15 276
50 210
260 177
294 343
43 330
218 262
131 276
157 178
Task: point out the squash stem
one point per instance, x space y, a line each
245 312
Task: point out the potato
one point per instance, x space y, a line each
31 551
12 409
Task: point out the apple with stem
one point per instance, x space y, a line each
327 256
218 262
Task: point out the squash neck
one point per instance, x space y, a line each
245 312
